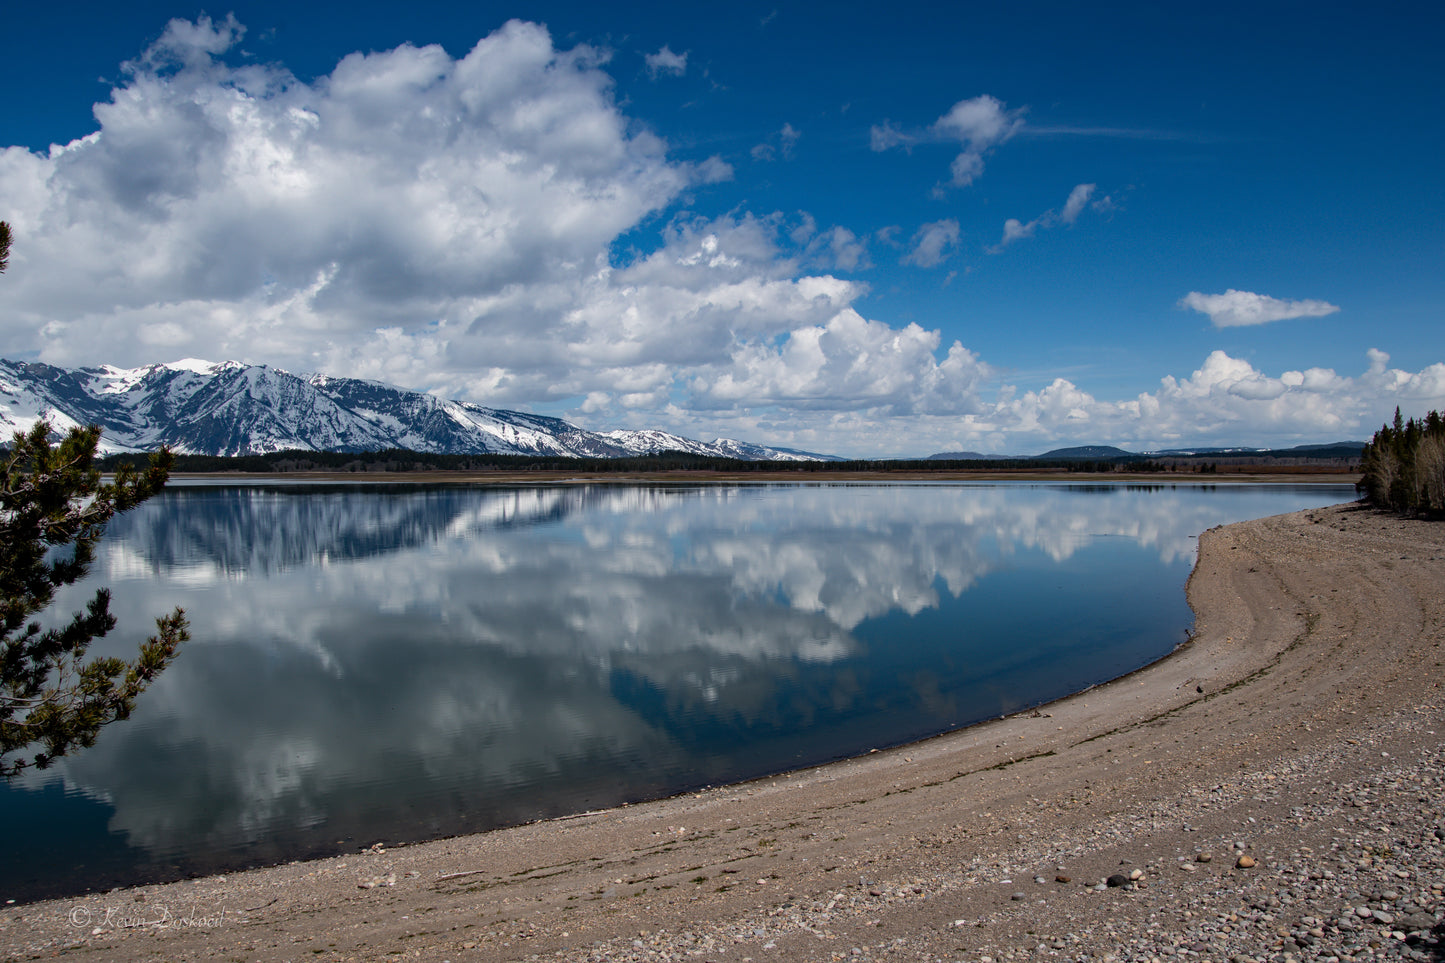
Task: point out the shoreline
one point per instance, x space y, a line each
795 476
1302 622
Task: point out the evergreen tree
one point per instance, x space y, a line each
1403 466
53 511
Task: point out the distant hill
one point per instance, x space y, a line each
1189 452
1339 450
962 456
1088 453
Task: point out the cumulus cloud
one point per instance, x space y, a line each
978 124
713 170
845 249
666 62
789 136
848 363
933 243
1228 400
1077 202
1014 229
834 249
885 135
627 338
187 43
781 143
239 212
780 392
1078 197
1240 308
1228 391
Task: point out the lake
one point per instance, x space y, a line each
389 663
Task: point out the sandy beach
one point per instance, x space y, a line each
1271 791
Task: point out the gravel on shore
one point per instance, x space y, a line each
1273 791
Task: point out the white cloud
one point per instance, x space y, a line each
834 249
806 229
933 243
239 212
625 337
845 250
1225 401
1228 401
885 135
191 44
1079 197
713 170
666 62
1014 230
789 136
979 124
847 363
786 139
1238 308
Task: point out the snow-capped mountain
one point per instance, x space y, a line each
230 408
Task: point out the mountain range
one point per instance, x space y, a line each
1338 449
231 408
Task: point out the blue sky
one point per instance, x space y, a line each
995 229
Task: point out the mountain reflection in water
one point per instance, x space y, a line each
398 662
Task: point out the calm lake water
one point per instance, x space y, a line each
392 663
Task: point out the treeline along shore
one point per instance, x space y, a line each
1404 466
1325 461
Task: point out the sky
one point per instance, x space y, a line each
962 227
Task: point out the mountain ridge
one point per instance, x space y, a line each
233 408
1337 449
